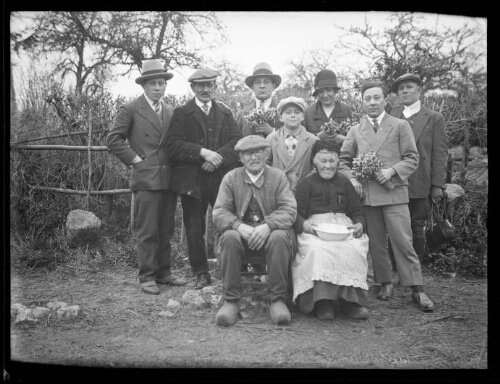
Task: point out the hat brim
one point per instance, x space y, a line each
316 90
394 86
276 79
142 79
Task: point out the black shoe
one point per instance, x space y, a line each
386 291
203 280
422 300
324 309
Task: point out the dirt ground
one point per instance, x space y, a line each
121 327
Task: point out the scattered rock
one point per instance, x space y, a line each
55 305
80 219
40 312
194 298
172 304
25 315
69 313
211 295
15 308
166 314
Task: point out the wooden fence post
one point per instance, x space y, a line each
132 211
90 160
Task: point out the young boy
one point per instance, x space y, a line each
291 145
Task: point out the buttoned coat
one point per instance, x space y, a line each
271 191
187 136
245 128
137 131
394 144
300 165
432 145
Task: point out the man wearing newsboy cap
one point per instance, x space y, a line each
427 183
200 143
263 82
137 138
255 211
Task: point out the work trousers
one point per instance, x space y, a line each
278 252
155 215
393 221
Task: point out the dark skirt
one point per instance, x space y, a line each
323 290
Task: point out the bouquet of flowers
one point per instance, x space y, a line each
333 128
366 166
258 116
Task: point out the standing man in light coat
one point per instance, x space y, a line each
427 182
386 211
137 138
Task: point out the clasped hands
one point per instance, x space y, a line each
213 160
263 129
255 236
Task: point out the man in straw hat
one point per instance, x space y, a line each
200 143
137 138
263 83
327 107
255 210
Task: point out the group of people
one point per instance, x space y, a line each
271 184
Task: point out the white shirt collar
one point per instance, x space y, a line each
150 102
412 109
379 119
267 103
254 178
200 103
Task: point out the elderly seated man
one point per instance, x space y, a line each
255 211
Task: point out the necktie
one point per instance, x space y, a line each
375 125
156 106
206 109
291 144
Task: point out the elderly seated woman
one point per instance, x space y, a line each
327 274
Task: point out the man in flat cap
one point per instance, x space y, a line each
255 210
386 210
200 143
291 145
263 83
428 181
137 138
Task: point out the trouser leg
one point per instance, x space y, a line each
167 227
193 214
419 211
398 224
377 235
278 249
231 256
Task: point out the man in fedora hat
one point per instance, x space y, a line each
428 126
263 83
200 143
326 107
255 211
137 138
386 211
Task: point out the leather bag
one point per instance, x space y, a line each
439 229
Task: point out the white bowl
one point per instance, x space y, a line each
331 232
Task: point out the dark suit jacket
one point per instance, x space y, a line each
245 128
315 116
186 138
137 131
432 146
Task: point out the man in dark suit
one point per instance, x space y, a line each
263 83
386 210
200 143
137 138
428 127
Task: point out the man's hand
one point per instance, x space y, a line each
358 229
358 187
307 228
245 231
263 129
259 237
436 194
212 157
206 166
385 175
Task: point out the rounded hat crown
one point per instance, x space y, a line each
152 69
325 79
263 69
